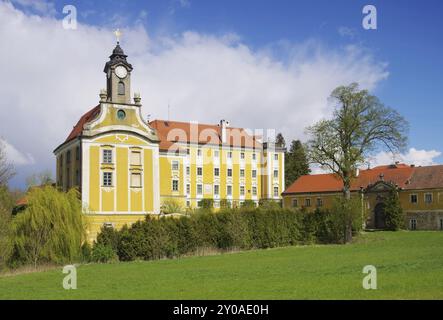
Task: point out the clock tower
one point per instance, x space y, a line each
118 77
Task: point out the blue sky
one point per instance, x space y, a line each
409 38
408 42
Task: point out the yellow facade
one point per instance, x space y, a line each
113 157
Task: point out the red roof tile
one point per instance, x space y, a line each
87 117
170 132
399 174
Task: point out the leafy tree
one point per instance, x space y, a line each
6 168
394 216
43 178
280 140
296 162
6 204
360 124
50 229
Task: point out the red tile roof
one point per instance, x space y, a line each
426 178
400 174
170 132
87 117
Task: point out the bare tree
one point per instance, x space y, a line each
6 168
360 125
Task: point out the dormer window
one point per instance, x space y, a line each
121 88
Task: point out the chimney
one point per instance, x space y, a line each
223 125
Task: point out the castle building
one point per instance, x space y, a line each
126 167
420 191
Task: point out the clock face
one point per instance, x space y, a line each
121 72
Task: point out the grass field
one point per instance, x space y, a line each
409 266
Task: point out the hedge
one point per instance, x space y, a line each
228 229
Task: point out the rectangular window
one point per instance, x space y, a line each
188 170
413 224
199 171
174 185
275 174
242 173
441 224
275 191
68 179
216 154
254 173
175 165
107 179
199 152
136 158
77 177
136 180
242 155
414 198
242 190
229 154
254 191
188 151
77 153
188 203
319 202
216 172
188 189
307 202
107 156
229 190
276 156
428 198
199 189
68 156
254 156
229 172
295 203
216 189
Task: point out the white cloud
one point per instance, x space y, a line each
15 156
54 76
413 156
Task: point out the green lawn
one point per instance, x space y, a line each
409 266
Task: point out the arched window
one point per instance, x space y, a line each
121 88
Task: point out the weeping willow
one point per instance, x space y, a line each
50 229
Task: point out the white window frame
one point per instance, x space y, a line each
178 185
175 165
141 183
107 182
199 186
429 194
105 158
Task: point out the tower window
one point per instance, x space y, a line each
121 88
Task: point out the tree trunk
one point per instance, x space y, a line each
348 215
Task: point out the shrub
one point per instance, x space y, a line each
228 229
393 212
50 229
5 227
103 253
86 252
248 204
206 203
172 205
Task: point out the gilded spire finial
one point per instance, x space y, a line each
118 34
